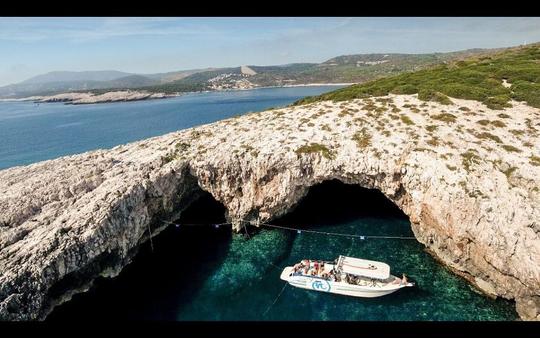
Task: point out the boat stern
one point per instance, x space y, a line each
285 274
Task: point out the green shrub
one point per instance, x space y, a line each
469 158
316 148
431 128
467 79
498 102
511 149
362 138
486 135
430 95
405 119
445 117
499 124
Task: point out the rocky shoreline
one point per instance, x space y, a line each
91 98
467 176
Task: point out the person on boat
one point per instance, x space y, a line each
404 279
332 277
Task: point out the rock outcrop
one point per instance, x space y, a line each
468 178
89 98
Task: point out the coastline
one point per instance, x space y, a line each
152 96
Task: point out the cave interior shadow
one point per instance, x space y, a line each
333 202
158 281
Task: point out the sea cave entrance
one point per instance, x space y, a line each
334 201
200 272
165 272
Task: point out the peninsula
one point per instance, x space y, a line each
461 160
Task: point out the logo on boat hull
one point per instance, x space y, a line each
320 285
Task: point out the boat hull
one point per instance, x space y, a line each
340 288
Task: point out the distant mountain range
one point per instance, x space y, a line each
342 69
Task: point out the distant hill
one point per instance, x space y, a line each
357 68
492 78
55 77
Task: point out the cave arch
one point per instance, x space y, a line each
334 200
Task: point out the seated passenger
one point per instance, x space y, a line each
404 280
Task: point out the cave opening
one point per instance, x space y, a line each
208 273
333 201
162 274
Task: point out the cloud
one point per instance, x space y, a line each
87 29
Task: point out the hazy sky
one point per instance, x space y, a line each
31 46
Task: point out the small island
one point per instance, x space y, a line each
89 98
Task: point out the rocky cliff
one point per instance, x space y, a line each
467 176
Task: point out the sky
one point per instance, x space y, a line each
32 46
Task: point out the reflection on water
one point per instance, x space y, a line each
204 273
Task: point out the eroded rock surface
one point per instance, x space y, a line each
467 176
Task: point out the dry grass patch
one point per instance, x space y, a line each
486 135
405 119
316 148
445 117
511 149
362 138
469 158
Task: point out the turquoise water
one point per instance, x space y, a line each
204 273
32 133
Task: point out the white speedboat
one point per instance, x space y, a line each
345 276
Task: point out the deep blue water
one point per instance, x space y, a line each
30 133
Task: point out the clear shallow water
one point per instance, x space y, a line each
203 273
30 133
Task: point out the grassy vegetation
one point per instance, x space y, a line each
445 117
405 119
508 172
362 138
486 135
469 158
431 128
511 149
535 160
477 78
316 148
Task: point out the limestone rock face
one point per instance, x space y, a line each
467 176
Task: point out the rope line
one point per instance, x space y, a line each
299 230
150 237
337 233
275 300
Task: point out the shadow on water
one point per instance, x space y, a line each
156 282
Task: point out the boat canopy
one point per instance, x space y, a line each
363 267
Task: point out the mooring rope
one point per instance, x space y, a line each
150 237
336 233
362 237
275 300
